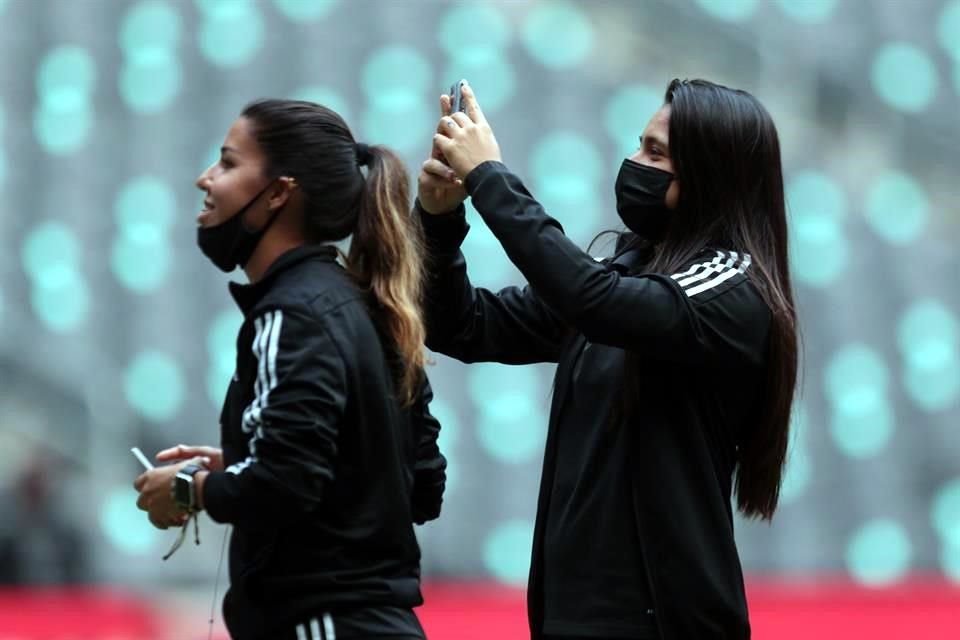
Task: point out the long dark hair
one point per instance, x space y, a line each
726 158
314 145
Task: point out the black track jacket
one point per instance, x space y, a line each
700 337
326 471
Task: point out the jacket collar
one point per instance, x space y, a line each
247 295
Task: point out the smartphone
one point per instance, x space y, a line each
456 98
142 458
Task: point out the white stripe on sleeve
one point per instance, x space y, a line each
722 275
328 626
266 348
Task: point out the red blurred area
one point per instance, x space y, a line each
67 613
918 609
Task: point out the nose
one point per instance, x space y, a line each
203 181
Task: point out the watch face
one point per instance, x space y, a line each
183 491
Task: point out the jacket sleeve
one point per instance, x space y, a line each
512 326
299 400
653 313
430 469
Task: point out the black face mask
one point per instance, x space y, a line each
230 244
642 199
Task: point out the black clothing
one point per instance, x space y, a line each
639 500
386 623
591 503
326 471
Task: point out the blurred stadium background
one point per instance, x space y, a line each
114 331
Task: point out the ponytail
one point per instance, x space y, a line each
386 259
313 144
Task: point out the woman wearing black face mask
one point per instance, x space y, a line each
677 360
329 452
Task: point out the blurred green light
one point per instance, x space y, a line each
855 367
812 192
141 262
574 203
154 385
492 78
510 428
510 425
928 335
862 420
862 424
798 473
144 204
218 382
325 96
60 298
487 380
950 561
62 131
948 29
67 68
819 247
222 353
449 421
123 524
627 113
398 76
231 34
558 35
808 11
446 415
305 10
879 553
419 121
49 244
796 478
566 169
152 24
218 9
488 264
945 512
212 157
506 551
729 10
566 154
904 77
927 322
472 34
897 207
222 337
149 87
3 157
935 388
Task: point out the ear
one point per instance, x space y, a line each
281 192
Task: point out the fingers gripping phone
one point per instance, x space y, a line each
456 98
456 104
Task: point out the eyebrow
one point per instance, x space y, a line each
225 149
655 140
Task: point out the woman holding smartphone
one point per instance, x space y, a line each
328 450
677 360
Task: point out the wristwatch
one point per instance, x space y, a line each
184 495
